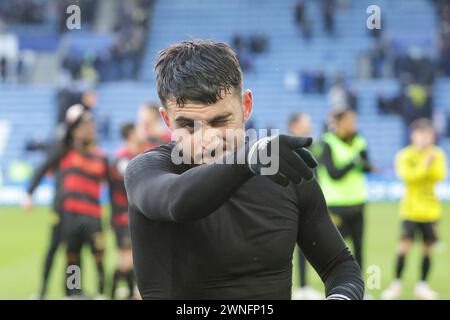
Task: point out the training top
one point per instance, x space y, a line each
216 231
82 177
419 202
342 182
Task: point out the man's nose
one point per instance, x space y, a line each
210 136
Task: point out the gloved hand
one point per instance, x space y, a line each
358 162
282 158
361 162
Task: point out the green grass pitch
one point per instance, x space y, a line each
24 237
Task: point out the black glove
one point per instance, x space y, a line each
282 158
361 162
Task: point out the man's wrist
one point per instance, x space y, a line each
337 296
238 159
252 154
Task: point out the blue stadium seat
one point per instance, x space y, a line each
219 20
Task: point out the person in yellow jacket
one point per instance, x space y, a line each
420 166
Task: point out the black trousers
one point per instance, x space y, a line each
55 241
350 223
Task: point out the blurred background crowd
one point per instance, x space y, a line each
297 56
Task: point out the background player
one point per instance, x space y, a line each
344 161
51 164
420 166
133 146
300 125
83 170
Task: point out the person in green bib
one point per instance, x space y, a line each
343 163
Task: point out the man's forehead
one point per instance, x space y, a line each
201 110
209 115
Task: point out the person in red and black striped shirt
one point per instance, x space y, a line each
83 170
133 146
58 150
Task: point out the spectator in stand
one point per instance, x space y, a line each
328 12
300 12
242 53
313 82
302 21
443 10
3 69
388 105
89 99
338 95
320 82
352 99
417 66
67 98
378 57
415 103
122 60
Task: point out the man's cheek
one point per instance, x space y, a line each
183 140
194 143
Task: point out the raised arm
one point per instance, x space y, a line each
333 171
324 247
438 169
410 171
160 193
51 162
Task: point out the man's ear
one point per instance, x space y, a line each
247 103
165 117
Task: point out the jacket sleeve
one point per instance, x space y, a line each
324 247
160 193
51 162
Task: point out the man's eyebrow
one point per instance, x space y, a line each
216 118
182 119
220 117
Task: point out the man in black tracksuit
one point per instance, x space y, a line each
210 230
